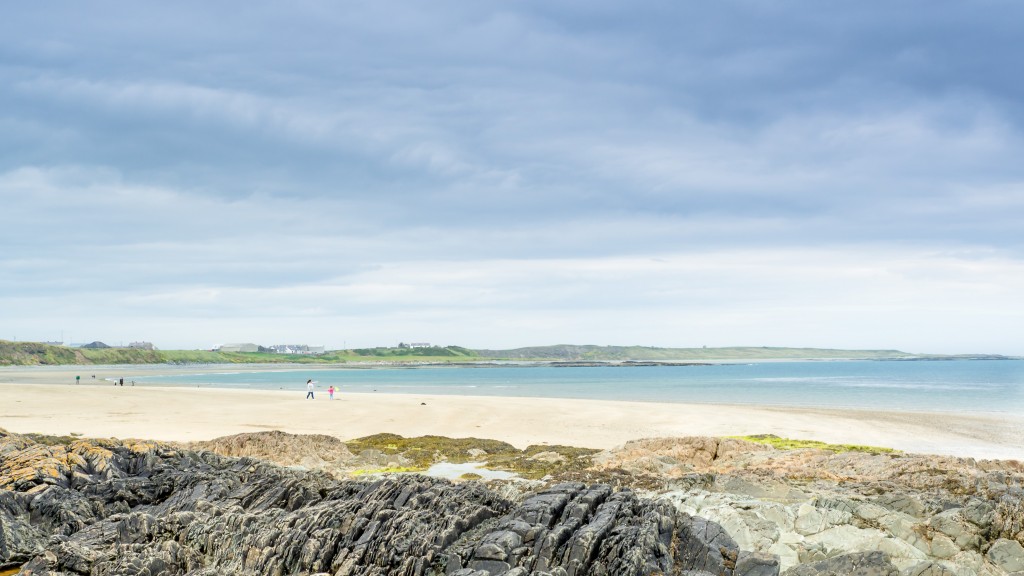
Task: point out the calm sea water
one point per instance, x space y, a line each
985 386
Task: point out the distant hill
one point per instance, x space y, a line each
33 353
447 352
647 353
36 353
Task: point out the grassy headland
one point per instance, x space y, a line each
39 354
36 353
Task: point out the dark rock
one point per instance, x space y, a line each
705 545
856 564
1008 521
756 564
928 569
109 508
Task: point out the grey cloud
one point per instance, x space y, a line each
191 146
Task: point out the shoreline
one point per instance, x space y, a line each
191 414
173 367
106 374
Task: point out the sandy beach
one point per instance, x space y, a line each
47 401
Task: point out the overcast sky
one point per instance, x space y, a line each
508 174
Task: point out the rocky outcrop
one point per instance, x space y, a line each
310 451
856 564
721 507
675 457
111 507
929 515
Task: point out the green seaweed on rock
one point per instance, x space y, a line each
796 444
389 470
538 461
426 450
534 462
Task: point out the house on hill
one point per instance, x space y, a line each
242 347
295 349
142 346
95 345
405 346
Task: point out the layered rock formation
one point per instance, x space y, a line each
711 506
310 451
819 510
111 507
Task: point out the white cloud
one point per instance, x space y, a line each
500 176
892 298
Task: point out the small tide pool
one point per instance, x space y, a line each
454 471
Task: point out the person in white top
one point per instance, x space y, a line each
309 389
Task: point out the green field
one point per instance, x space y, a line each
38 354
34 354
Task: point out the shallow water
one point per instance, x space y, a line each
977 386
454 471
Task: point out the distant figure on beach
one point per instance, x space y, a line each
121 381
330 392
309 389
78 379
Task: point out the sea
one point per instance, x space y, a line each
960 386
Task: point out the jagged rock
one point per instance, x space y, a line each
19 540
705 545
955 525
928 569
979 513
673 456
128 508
856 564
310 451
812 520
810 505
1008 516
108 507
756 564
578 529
1007 554
902 477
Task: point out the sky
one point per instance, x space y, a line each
506 174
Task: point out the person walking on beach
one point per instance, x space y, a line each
309 389
330 392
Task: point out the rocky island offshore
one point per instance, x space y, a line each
275 503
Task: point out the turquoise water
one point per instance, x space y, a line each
985 386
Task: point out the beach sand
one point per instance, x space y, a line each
47 401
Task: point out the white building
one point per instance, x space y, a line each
296 349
